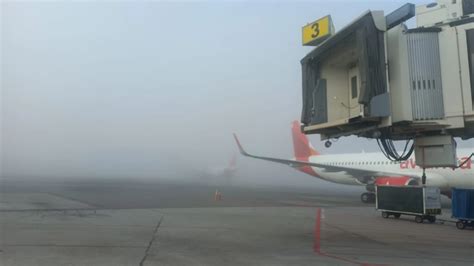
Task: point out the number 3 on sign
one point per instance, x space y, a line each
317 31
315 28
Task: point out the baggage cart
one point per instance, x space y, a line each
462 206
422 202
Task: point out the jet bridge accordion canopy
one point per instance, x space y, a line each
363 37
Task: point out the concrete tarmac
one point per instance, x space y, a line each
82 224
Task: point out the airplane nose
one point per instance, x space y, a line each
436 180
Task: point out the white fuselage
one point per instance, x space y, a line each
444 178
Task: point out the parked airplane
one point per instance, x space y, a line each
220 175
370 169
227 171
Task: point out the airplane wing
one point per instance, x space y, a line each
292 163
325 167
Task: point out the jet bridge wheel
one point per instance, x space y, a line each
397 215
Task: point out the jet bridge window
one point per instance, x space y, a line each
468 7
354 87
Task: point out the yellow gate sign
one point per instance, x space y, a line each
316 32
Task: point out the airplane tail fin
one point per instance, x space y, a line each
233 162
301 145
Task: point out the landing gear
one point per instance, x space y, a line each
387 214
431 219
367 197
420 218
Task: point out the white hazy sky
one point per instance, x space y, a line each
110 88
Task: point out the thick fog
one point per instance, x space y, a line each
156 89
